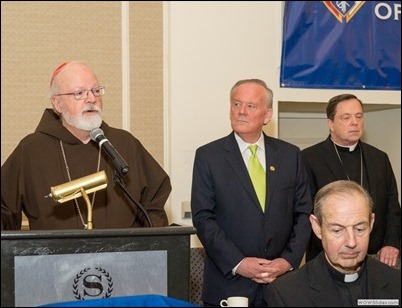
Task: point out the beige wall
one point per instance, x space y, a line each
38 36
146 71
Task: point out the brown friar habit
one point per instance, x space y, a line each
37 164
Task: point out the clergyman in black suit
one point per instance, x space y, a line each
343 156
249 238
342 275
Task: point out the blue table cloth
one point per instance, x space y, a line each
127 301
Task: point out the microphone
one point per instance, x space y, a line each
98 136
71 190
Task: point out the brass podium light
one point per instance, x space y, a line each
80 187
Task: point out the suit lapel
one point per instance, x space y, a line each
332 160
370 168
272 159
321 287
376 281
236 162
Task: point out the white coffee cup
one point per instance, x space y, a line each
235 301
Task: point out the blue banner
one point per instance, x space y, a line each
342 45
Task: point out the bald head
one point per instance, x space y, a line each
66 72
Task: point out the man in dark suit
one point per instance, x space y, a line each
250 237
343 156
342 275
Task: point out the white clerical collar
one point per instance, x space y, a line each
350 147
342 277
351 277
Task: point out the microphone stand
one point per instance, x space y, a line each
117 179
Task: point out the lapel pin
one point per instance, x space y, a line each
272 168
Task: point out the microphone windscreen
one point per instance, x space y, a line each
95 133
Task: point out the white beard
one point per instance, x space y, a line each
85 122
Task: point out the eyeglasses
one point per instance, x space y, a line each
83 94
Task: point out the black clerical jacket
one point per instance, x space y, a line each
313 286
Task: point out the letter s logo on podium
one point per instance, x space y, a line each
92 283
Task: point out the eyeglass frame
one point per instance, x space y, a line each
99 88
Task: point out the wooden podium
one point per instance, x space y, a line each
41 267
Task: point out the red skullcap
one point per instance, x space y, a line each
57 71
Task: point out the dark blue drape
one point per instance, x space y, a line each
342 45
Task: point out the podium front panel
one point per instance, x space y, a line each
40 267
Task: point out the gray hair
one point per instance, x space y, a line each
341 188
270 94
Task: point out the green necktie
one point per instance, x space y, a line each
257 175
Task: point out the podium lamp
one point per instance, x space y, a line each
80 187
